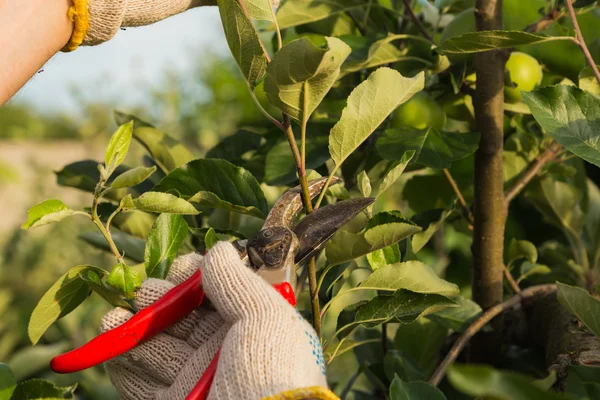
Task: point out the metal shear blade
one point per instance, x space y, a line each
280 245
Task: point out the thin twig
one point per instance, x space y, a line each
416 21
482 321
532 172
581 40
360 28
544 22
514 285
461 198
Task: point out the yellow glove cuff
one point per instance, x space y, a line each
312 393
78 14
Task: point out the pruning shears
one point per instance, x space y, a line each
273 253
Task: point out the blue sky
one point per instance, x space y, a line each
135 57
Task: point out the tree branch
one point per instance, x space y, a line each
482 321
544 22
417 22
581 40
532 172
461 199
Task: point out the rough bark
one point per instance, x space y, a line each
564 340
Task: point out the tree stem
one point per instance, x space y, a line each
98 223
489 210
581 40
416 21
482 321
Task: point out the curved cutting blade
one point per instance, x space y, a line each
320 225
288 206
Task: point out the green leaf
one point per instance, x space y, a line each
47 212
475 42
131 247
433 148
583 381
368 106
8 383
68 292
394 172
118 147
591 228
260 10
364 184
457 318
166 152
219 184
416 390
382 257
571 116
382 52
122 118
480 381
299 12
158 202
210 239
33 360
132 177
346 246
280 167
422 341
244 43
581 304
84 175
403 306
300 75
522 249
528 269
125 279
589 82
165 238
401 364
93 278
40 389
559 203
412 275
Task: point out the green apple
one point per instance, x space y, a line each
525 73
420 112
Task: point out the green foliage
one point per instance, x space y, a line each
574 124
400 390
125 279
118 147
158 202
47 212
581 304
8 383
165 238
39 389
475 42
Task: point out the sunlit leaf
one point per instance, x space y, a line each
346 246
298 12
588 81
432 147
430 222
93 277
403 306
260 10
158 202
364 184
484 381
581 304
300 75
571 116
165 238
475 42
243 40
118 147
40 389
166 152
211 238
528 269
382 257
125 279
522 249
47 212
368 106
217 183
68 292
132 177
394 172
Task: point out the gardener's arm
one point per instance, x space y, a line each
31 32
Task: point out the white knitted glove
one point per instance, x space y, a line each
267 347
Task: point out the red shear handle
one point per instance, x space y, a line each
149 322
200 391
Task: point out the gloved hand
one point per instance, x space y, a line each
107 16
267 347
